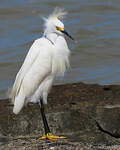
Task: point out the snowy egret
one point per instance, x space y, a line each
47 57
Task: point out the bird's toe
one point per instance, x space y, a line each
51 137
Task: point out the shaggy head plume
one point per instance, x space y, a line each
58 13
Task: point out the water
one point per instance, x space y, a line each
94 24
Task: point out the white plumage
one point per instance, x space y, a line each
47 57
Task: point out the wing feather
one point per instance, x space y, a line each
29 60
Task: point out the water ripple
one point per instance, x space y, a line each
94 24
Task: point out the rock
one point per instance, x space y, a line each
108 119
88 115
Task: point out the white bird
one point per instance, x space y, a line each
48 56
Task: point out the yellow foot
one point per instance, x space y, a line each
51 137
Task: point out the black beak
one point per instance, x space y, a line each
65 32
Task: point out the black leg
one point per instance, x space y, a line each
46 127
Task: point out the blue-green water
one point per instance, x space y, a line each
95 24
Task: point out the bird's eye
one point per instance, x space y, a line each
59 28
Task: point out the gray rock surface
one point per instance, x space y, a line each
88 115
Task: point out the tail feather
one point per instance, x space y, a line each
19 102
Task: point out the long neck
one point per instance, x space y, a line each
51 36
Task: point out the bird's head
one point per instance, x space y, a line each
53 23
